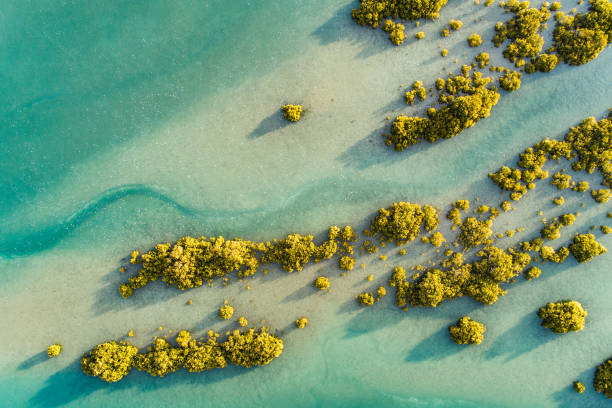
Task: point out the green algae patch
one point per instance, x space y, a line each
467 331
585 247
292 113
110 361
562 317
54 350
602 382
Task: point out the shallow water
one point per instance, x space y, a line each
127 125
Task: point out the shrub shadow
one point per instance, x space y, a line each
272 123
301 293
70 384
527 335
436 347
341 28
566 397
34 361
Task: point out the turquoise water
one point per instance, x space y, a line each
128 124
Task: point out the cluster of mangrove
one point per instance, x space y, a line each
587 146
563 316
373 12
603 378
191 262
577 39
467 331
464 99
111 361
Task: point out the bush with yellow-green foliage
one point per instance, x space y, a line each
474 40
578 387
437 239
474 232
522 30
590 141
499 265
54 350
563 316
603 378
605 229
561 180
366 299
322 283
482 59
402 222
192 261
418 90
226 312
455 24
510 81
532 273
301 322
579 39
292 113
346 263
396 32
542 63
252 348
373 12
555 6
601 196
435 286
548 253
558 200
467 331
465 100
161 358
203 356
110 361
585 247
419 35
292 253
552 231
